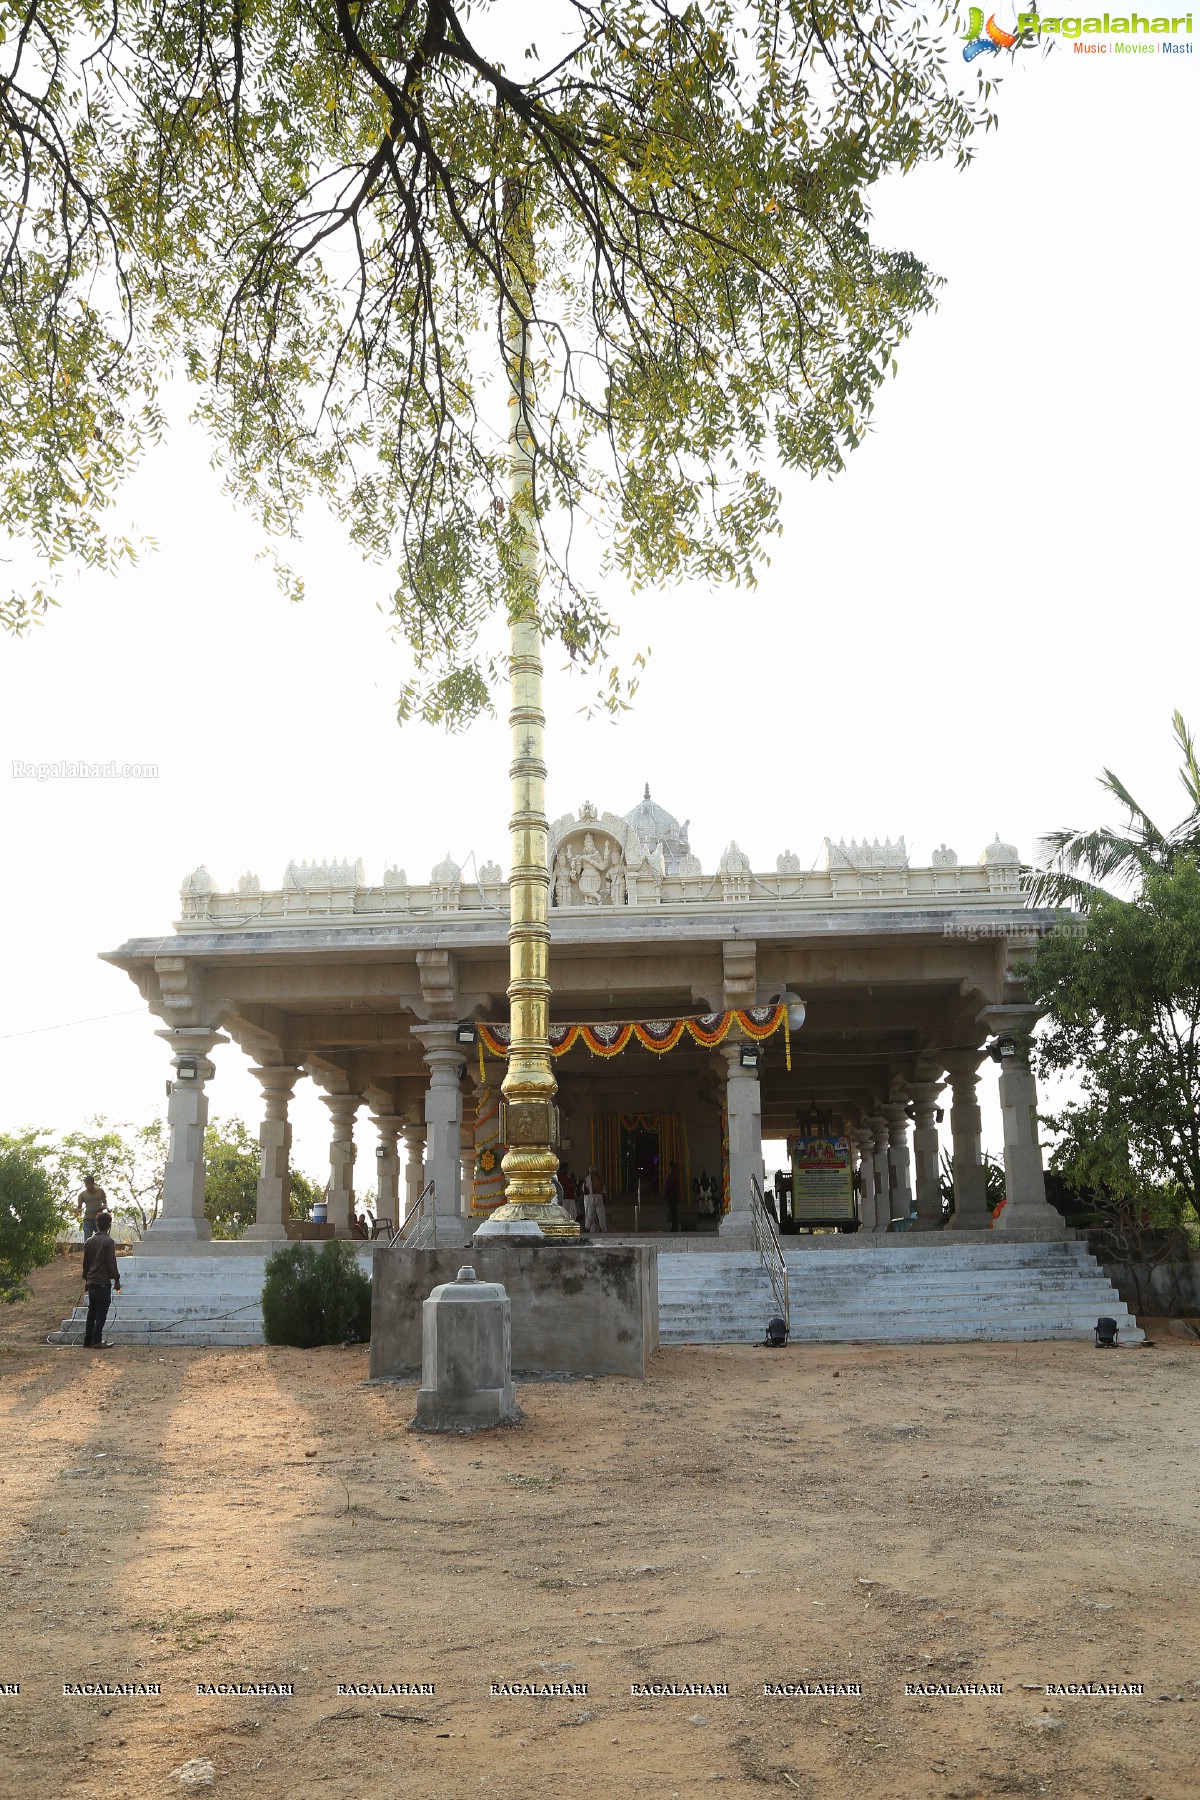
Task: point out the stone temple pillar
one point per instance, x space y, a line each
181 1220
899 1171
414 1166
1027 1213
865 1139
342 1108
272 1212
743 1111
387 1164
927 1154
971 1210
443 1127
878 1127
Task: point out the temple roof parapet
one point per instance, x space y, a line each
600 862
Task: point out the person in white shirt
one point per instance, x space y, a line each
593 1202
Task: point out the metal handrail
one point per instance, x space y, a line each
766 1242
411 1226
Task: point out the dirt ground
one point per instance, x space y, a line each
1020 1515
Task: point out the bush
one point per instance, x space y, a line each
29 1218
313 1296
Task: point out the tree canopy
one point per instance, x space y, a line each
29 1217
1121 992
1122 999
1081 862
305 205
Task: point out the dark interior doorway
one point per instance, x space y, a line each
639 1156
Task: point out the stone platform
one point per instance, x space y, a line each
913 1288
577 1309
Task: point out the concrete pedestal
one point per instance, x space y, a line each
466 1357
577 1309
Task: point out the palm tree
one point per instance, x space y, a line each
1081 863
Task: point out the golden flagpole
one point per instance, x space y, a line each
529 1116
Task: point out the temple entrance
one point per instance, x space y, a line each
640 1166
634 1152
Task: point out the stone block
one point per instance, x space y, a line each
576 1309
466 1357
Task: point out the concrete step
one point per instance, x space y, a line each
918 1290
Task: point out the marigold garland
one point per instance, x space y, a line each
657 1035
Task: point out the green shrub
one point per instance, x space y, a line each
29 1218
313 1296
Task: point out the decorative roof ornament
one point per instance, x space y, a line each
787 864
689 865
587 813
198 883
445 873
325 877
491 871
864 858
654 825
249 884
944 858
1000 855
734 861
395 877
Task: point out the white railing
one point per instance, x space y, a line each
766 1241
419 1229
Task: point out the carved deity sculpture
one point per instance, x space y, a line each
588 870
560 878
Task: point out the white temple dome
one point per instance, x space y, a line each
445 873
655 825
1000 854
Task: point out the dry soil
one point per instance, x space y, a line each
945 1516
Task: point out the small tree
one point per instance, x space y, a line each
304 1193
29 1216
1122 1003
313 1296
231 1158
128 1162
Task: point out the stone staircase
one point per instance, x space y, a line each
889 1290
207 1299
894 1291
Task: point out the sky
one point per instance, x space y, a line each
993 602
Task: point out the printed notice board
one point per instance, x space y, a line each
822 1181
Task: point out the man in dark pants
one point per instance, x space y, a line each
100 1275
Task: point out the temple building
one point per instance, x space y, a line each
695 1011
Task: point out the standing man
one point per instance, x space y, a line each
593 1202
671 1193
100 1276
90 1202
569 1202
